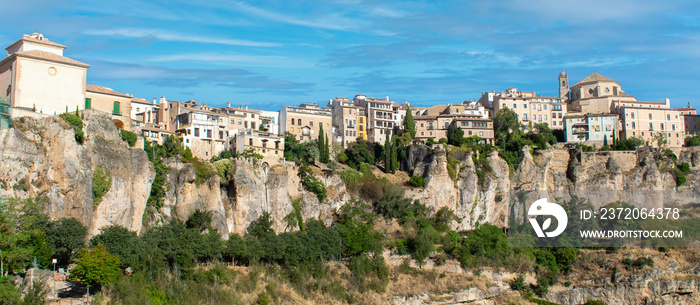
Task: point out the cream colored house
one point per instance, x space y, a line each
347 117
649 123
530 108
104 99
598 129
597 94
269 145
36 77
305 121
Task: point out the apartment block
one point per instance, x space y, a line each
349 119
476 126
383 117
269 145
531 108
270 121
203 131
648 123
433 122
305 121
591 129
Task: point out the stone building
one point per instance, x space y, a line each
476 126
350 119
596 94
383 117
37 78
530 108
305 121
269 145
433 122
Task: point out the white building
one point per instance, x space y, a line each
271 121
591 128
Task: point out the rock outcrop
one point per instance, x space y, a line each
40 157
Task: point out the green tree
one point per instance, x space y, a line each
261 227
409 125
9 295
96 267
504 123
21 236
394 157
261 127
66 237
199 220
123 243
692 141
321 145
455 135
387 154
359 152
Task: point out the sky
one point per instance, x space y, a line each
271 53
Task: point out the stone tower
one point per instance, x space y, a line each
564 86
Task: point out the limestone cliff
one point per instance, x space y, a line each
40 157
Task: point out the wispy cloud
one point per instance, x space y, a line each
330 21
238 59
180 37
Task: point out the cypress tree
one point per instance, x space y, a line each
321 144
387 153
394 158
408 124
328 150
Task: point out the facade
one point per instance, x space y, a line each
269 145
154 134
271 121
349 120
36 77
476 126
691 124
305 121
531 108
433 122
383 117
144 112
240 117
104 99
598 129
649 123
203 131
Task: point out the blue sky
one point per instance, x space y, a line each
270 53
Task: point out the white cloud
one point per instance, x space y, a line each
331 21
238 59
170 36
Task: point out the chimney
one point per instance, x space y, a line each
154 101
228 104
246 106
668 102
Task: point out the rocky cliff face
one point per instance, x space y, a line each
40 157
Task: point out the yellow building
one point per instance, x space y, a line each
104 99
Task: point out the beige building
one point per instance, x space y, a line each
104 99
241 118
596 94
648 123
36 77
305 121
349 119
383 117
154 134
476 126
203 131
269 145
530 108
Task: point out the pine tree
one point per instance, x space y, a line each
408 124
77 111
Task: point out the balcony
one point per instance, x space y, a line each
579 130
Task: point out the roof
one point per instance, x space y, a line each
31 38
593 78
150 128
471 119
41 55
104 90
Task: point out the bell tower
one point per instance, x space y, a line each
564 86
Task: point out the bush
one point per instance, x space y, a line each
350 177
311 183
96 267
101 183
78 126
129 137
685 167
416 181
594 302
680 178
692 141
204 170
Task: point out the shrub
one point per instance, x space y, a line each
78 125
129 137
101 183
685 167
594 302
416 181
680 178
311 183
96 267
225 169
204 170
350 177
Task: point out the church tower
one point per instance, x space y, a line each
564 86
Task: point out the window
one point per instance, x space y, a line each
447 124
196 132
250 142
662 126
560 115
544 107
525 117
540 118
470 132
668 117
246 124
651 126
545 117
209 133
515 105
189 131
504 105
292 121
311 123
634 126
88 103
465 123
299 122
481 133
115 108
650 115
539 107
525 105
221 134
533 106
632 115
